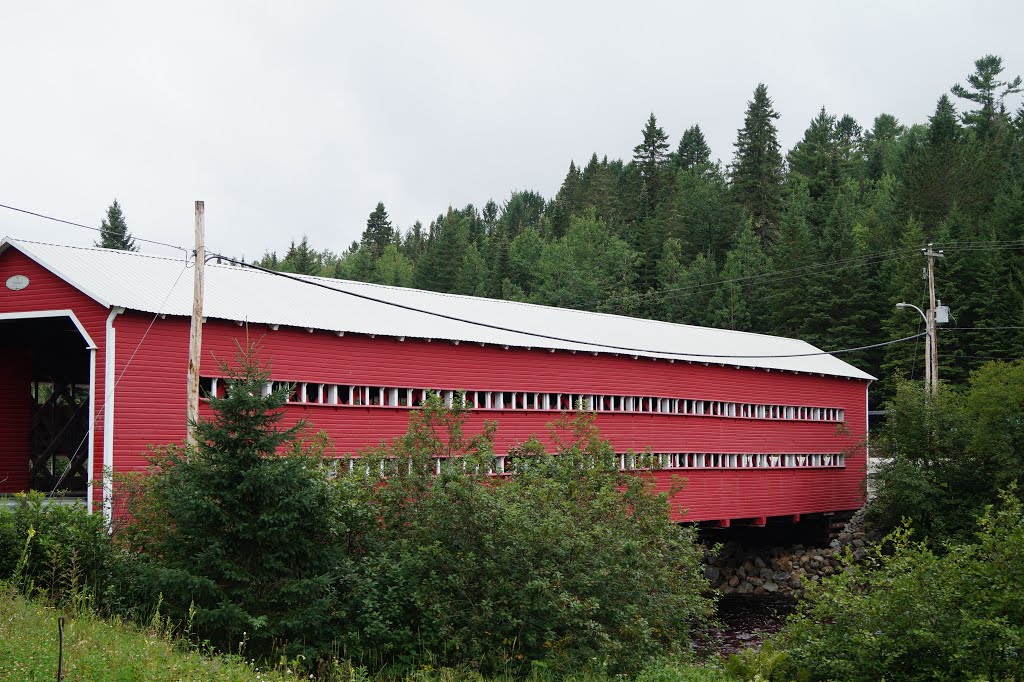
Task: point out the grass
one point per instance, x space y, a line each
100 651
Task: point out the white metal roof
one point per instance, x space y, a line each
155 284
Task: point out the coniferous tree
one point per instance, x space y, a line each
693 150
114 232
379 232
301 259
943 128
704 216
472 275
739 302
757 166
901 276
881 146
817 158
650 157
249 549
985 89
567 201
792 256
838 313
685 292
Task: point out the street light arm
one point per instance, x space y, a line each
911 305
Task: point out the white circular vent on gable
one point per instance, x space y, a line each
17 282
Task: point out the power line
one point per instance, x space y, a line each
88 227
594 344
774 275
979 329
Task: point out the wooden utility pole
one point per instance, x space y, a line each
933 337
195 344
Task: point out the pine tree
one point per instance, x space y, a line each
757 166
650 157
986 90
114 232
379 232
693 150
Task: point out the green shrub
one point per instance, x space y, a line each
948 455
569 563
915 615
67 550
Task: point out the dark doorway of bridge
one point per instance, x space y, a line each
44 407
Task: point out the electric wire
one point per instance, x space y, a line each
88 227
772 276
548 337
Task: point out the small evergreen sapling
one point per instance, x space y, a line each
250 522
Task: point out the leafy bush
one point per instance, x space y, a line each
238 534
54 548
915 615
947 456
569 563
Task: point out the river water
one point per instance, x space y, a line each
747 621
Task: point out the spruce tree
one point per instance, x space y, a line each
757 166
816 157
650 157
302 259
693 150
114 232
250 548
943 128
567 201
379 232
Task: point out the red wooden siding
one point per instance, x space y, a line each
48 292
15 415
151 405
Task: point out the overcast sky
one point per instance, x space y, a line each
294 118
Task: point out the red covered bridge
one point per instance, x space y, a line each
95 351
